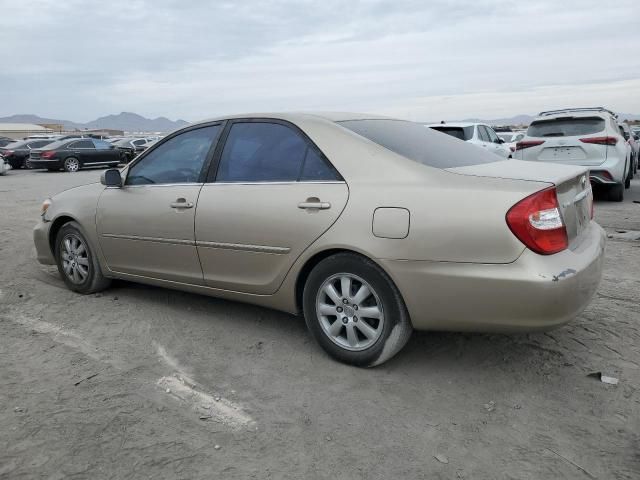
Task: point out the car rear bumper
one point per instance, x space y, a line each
41 241
535 292
39 163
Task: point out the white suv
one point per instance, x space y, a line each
477 133
581 136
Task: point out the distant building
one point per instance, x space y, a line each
18 131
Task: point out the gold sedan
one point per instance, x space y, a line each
369 226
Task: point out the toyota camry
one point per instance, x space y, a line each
367 226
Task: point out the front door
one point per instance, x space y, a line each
146 227
274 194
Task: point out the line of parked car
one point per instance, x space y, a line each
591 137
70 152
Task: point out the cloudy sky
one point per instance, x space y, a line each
421 60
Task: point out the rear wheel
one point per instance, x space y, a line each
71 164
77 263
27 164
354 311
616 193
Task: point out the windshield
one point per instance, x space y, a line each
566 127
419 143
462 133
125 142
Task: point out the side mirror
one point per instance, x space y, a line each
500 140
111 178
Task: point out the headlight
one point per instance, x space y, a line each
45 206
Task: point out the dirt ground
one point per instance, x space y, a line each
100 386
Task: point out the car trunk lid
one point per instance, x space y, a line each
575 197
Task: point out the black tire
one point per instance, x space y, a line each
94 281
396 328
616 193
68 164
15 164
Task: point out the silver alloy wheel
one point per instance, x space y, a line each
27 164
71 165
75 258
350 312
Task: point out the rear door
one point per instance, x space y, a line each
483 137
270 195
83 150
146 228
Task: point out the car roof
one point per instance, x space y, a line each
455 124
299 116
574 114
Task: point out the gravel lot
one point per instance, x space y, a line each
92 387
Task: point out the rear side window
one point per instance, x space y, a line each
566 127
483 134
419 143
269 152
81 144
462 133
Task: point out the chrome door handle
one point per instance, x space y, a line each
314 205
181 203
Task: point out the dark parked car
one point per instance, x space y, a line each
16 153
74 154
131 147
5 141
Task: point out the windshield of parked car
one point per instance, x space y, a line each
419 143
462 133
566 127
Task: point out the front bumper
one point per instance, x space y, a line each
41 241
535 292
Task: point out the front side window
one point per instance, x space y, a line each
101 145
492 135
178 160
269 152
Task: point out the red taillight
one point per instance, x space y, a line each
600 140
7 153
47 154
528 144
536 222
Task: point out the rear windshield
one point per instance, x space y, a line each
462 133
18 144
419 143
566 127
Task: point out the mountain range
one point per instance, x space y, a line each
132 122
127 121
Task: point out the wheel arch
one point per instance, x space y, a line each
56 225
316 258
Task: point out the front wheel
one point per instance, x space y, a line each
354 311
76 261
71 164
